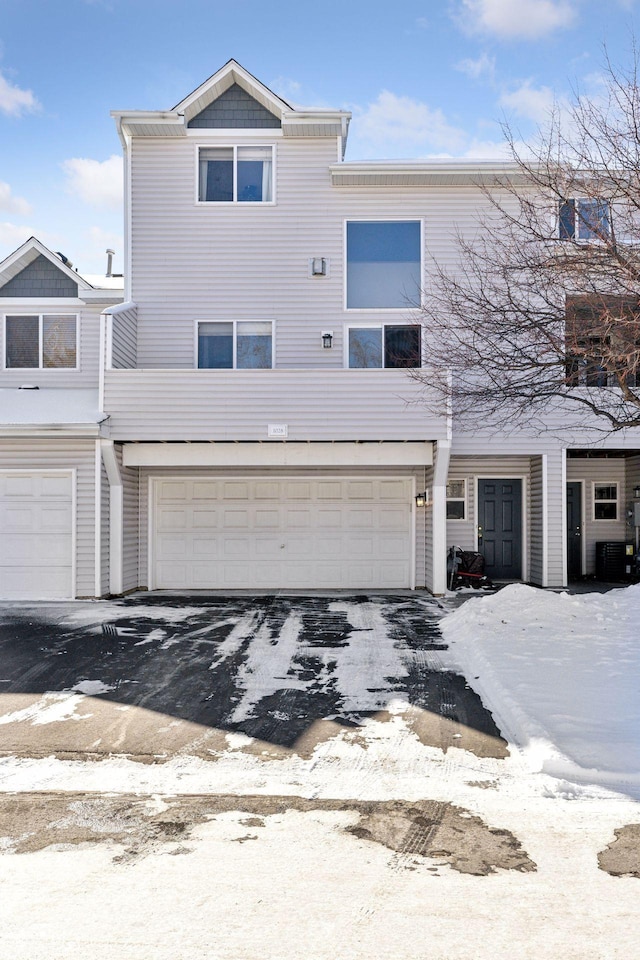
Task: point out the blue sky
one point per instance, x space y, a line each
422 78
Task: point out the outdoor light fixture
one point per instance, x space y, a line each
327 339
636 492
421 499
318 267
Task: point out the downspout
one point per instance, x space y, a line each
116 517
439 515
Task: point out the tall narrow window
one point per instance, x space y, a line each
383 264
235 174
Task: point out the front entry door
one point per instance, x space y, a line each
500 528
574 530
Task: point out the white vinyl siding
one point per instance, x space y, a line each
599 471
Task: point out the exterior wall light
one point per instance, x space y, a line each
318 267
636 492
327 339
421 499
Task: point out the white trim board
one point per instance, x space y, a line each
276 454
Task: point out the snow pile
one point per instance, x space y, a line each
560 674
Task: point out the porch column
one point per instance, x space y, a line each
439 515
554 518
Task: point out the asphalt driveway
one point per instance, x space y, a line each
152 676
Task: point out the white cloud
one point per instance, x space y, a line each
14 101
11 204
13 235
531 103
515 19
286 88
98 183
394 122
484 66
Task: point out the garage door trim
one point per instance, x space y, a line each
72 473
152 503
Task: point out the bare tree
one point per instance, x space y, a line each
541 312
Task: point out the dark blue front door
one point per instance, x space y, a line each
500 528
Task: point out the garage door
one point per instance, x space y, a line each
35 535
302 533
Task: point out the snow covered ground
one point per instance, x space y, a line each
561 676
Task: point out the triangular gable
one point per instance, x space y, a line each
235 108
232 74
34 271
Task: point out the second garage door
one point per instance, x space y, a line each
299 533
36 561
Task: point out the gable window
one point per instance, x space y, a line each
456 500
41 341
235 174
236 344
585 219
605 501
383 264
386 345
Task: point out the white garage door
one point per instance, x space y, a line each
302 533
35 535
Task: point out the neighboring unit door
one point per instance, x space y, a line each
574 530
307 533
36 538
500 528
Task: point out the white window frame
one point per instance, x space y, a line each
605 483
462 499
402 310
235 202
40 316
576 238
235 341
379 324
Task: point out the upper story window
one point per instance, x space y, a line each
235 344
41 341
235 174
388 345
585 219
602 337
383 264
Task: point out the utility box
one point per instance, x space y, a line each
614 560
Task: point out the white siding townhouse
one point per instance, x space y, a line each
240 415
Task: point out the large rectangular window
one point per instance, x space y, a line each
383 264
388 345
241 344
41 341
235 174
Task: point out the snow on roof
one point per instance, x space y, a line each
48 406
101 282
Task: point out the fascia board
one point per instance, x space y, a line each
27 253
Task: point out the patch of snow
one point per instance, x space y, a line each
50 708
92 688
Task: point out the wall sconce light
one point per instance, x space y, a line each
318 267
636 492
421 499
327 339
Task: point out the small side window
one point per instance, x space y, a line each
605 501
457 500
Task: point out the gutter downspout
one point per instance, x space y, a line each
116 517
439 516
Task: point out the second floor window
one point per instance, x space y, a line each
584 219
241 344
383 264
235 175
388 345
41 341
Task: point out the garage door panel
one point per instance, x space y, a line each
36 542
325 532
